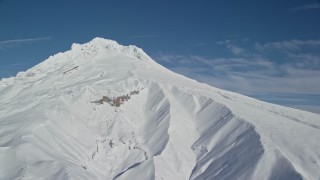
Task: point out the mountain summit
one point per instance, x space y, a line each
106 111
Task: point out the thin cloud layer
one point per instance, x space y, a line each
18 42
255 72
248 76
292 45
236 50
306 7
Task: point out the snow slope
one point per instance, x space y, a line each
106 111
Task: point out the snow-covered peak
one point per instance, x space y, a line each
103 42
100 46
97 43
106 111
95 54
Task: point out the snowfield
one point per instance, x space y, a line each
107 111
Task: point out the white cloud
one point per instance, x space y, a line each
254 72
233 48
227 41
306 7
305 60
17 42
292 45
289 67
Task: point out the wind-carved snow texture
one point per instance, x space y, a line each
106 111
227 146
116 101
70 70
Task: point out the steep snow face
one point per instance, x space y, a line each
106 111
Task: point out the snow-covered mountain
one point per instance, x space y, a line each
107 111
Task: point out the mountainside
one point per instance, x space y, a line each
106 111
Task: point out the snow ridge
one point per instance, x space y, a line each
107 111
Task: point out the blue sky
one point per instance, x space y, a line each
265 49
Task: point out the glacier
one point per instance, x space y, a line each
106 111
